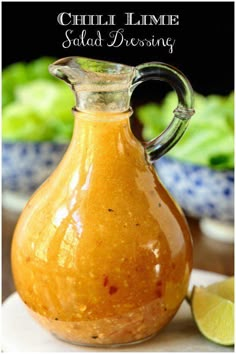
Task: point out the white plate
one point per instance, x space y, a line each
22 334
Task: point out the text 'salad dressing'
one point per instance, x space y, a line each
101 254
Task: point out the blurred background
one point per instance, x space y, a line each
37 122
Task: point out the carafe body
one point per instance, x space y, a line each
101 254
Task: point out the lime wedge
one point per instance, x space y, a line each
214 314
223 288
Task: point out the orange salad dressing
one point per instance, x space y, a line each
101 253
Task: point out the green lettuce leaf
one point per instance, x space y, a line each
209 139
20 73
36 106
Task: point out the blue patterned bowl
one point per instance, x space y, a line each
25 166
202 192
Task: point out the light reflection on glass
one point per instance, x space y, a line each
78 224
60 215
67 252
86 184
157 268
74 181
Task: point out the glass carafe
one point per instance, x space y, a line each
102 254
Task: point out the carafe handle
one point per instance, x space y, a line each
182 113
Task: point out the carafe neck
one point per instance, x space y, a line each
103 131
103 101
